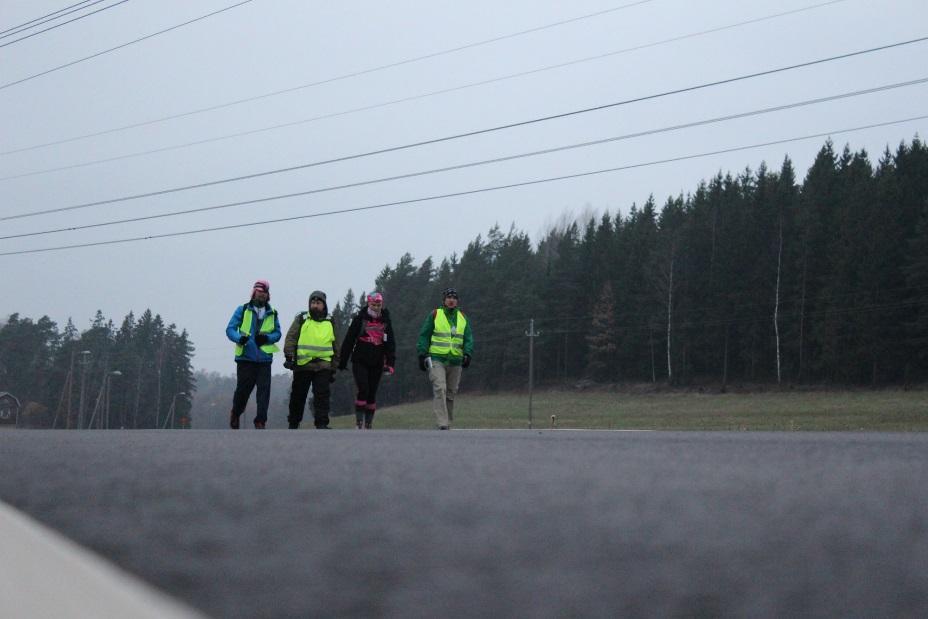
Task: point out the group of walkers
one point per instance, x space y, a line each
311 352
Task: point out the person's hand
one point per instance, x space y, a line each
332 377
422 362
260 339
342 366
242 340
389 370
466 361
288 363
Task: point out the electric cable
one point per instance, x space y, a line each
472 164
44 20
387 103
29 36
113 49
366 107
32 21
465 134
456 194
383 66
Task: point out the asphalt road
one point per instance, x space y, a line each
494 523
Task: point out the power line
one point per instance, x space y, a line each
45 19
488 161
113 49
377 105
29 36
32 21
463 135
458 193
338 77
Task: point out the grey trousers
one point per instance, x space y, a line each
445 380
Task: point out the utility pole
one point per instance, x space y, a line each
170 416
532 334
85 361
100 404
65 395
138 395
108 396
158 398
69 419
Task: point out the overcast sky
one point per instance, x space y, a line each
266 46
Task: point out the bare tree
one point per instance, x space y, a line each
776 305
662 267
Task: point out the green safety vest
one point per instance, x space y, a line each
447 340
267 326
316 337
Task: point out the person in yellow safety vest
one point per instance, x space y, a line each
310 351
445 346
255 329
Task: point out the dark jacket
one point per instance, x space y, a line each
367 353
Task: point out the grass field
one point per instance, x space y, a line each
889 410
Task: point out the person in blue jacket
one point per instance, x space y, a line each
255 329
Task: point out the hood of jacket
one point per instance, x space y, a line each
318 294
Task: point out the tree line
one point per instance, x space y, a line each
751 278
136 376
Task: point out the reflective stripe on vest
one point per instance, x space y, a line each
448 340
267 326
316 338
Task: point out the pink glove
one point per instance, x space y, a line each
388 369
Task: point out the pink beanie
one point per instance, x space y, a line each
263 286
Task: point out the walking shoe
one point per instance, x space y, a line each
293 426
259 425
442 427
233 421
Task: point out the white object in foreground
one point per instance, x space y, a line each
47 575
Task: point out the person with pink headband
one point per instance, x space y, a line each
370 346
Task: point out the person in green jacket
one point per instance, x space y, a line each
445 346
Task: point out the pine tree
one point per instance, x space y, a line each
601 339
916 272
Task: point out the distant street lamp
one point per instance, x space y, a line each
106 404
85 361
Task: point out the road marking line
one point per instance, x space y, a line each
44 574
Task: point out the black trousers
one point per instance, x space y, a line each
299 391
367 379
249 375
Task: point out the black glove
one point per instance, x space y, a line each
342 366
332 377
466 361
288 363
260 339
422 362
242 340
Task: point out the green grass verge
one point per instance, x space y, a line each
901 411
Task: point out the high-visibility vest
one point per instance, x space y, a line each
316 337
267 326
447 339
